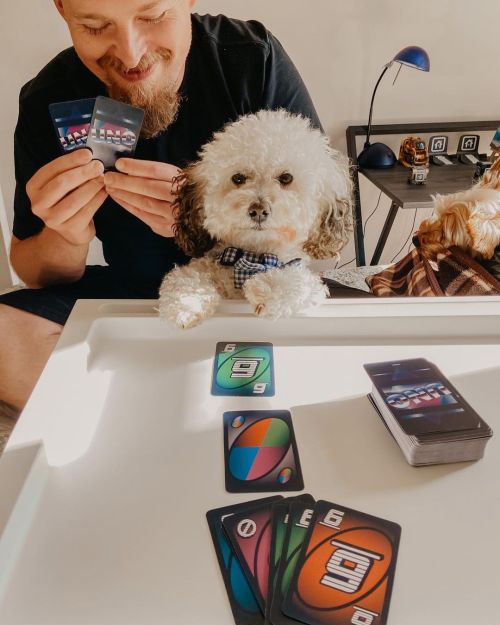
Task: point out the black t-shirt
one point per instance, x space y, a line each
233 68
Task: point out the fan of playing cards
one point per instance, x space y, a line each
289 560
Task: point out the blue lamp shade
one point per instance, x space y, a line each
414 56
379 155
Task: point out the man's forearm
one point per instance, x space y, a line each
47 258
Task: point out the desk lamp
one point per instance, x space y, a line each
379 155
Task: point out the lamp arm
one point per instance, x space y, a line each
368 133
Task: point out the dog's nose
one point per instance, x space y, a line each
259 212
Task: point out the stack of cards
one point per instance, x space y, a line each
429 419
289 560
109 128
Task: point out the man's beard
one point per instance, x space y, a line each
160 103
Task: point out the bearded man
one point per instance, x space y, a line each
191 74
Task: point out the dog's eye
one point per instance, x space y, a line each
239 179
285 178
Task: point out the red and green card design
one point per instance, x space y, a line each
249 533
245 608
345 570
260 452
243 370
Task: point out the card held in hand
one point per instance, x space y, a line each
345 571
114 131
72 122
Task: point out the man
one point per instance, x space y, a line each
191 75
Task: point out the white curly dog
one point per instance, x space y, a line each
267 194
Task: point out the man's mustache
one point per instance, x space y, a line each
112 62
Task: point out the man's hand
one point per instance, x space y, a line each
66 194
147 190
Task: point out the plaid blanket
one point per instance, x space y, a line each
452 272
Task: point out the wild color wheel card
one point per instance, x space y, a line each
260 452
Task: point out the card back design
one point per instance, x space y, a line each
243 370
419 397
261 452
114 130
245 608
72 122
345 570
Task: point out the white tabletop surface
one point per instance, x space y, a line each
107 478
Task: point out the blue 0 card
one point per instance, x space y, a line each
243 370
72 122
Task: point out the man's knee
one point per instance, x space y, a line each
27 342
19 325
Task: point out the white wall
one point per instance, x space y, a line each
339 46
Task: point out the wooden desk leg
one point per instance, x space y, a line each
391 216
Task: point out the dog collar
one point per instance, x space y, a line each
247 264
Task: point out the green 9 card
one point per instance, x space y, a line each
243 370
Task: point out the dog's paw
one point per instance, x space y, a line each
187 319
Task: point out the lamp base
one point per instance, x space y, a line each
377 156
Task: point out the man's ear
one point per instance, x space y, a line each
60 7
191 4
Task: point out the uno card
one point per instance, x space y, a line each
345 570
249 533
299 517
114 130
72 122
243 370
260 452
279 519
246 610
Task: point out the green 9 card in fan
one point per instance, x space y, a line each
243 370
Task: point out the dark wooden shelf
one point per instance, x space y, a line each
441 179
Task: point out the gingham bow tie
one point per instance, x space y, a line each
247 264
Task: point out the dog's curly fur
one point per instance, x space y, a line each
287 172
469 219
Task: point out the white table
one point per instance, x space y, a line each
107 477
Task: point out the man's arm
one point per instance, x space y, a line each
56 260
64 194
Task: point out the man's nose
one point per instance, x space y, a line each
129 47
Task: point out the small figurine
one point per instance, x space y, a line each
418 175
413 152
